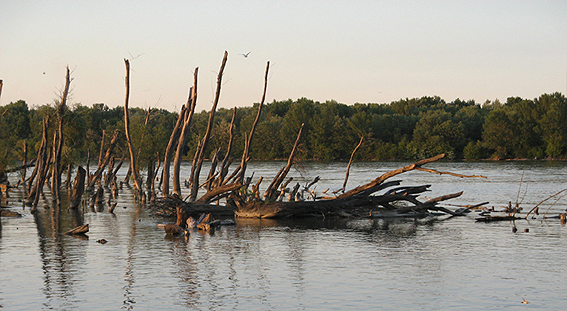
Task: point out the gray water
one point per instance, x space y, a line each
309 264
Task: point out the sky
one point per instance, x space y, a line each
348 51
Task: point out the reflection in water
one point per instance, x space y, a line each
129 280
60 266
313 263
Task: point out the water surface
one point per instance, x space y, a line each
309 264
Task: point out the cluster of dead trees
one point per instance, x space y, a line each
238 195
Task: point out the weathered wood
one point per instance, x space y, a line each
196 170
40 170
350 162
133 168
190 110
271 191
102 165
390 174
78 230
173 139
212 171
248 141
211 195
58 141
226 160
78 188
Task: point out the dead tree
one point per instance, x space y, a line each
78 188
248 141
92 180
196 169
58 141
350 162
42 164
189 111
359 201
135 174
271 193
169 150
223 171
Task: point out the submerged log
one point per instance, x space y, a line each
78 230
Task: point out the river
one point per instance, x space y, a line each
308 264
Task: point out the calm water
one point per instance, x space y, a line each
315 264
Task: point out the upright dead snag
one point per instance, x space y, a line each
92 180
78 188
271 193
248 141
350 162
190 110
58 141
40 170
135 173
196 169
226 160
169 150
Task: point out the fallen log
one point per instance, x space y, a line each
80 230
489 218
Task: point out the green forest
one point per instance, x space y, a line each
406 129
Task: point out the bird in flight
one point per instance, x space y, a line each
245 55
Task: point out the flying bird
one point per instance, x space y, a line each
245 55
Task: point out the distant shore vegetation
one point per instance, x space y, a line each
406 129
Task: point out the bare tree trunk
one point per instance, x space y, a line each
135 174
102 164
40 166
1 84
58 142
190 109
78 188
101 151
271 193
350 162
226 160
88 164
199 160
25 162
173 139
248 142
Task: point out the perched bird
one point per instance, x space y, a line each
245 55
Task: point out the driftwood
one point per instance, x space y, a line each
358 202
394 202
80 230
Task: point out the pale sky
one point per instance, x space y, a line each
349 51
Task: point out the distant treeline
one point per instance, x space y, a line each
405 129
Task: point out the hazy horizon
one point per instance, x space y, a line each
366 52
